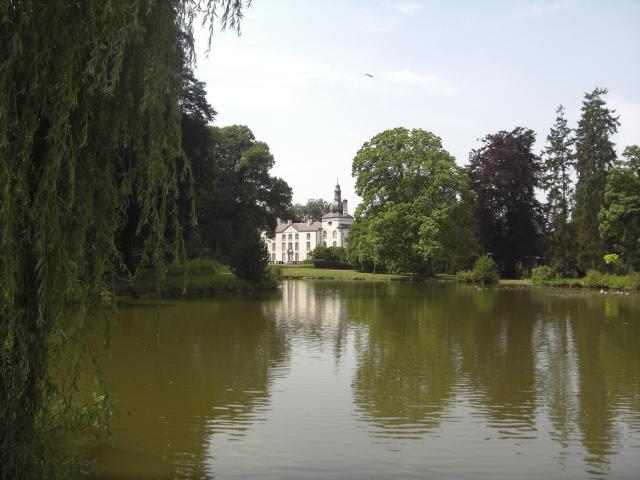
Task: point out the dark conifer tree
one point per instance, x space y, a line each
594 156
557 164
504 173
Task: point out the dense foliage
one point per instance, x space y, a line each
619 219
504 173
312 211
415 210
333 254
89 125
236 196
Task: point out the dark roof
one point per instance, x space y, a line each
336 215
300 227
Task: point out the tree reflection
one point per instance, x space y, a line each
407 361
181 373
528 361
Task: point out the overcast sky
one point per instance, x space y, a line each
460 69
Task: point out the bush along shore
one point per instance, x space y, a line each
545 276
195 278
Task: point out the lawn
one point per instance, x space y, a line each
307 271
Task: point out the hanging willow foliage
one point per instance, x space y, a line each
89 121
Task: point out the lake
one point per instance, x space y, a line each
328 379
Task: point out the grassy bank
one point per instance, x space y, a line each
595 280
310 272
202 279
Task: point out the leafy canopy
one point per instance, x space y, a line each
619 219
414 215
504 174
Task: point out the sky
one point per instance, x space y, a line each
460 69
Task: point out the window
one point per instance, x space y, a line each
308 236
290 247
308 246
290 236
296 236
334 244
283 246
273 257
324 234
296 247
330 223
296 255
273 246
324 244
335 234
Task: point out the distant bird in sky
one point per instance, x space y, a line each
369 75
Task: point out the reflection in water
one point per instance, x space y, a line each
184 373
378 380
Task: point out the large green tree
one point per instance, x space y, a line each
504 173
89 122
619 219
557 166
415 209
246 198
595 154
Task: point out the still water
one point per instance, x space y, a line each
377 380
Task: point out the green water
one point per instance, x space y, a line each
377 380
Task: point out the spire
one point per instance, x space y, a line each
336 205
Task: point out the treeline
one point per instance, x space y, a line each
423 213
226 195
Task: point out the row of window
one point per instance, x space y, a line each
284 246
290 235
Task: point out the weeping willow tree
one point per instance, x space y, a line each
89 124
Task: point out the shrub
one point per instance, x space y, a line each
250 257
542 274
465 276
595 279
272 278
334 254
485 270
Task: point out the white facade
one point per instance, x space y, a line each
294 242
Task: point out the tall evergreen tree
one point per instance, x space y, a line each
594 156
556 180
504 173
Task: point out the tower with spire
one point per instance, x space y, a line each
336 223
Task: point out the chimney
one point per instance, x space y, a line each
289 222
344 207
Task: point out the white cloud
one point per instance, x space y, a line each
403 6
251 76
541 7
423 81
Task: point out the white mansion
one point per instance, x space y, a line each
294 242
